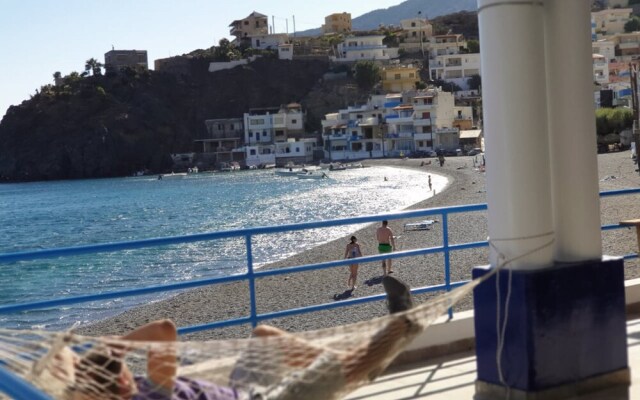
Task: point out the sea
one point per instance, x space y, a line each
44 215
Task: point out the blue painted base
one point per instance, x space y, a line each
565 323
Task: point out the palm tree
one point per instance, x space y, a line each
94 66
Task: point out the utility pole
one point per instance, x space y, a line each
633 69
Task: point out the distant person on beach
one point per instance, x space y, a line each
353 251
386 244
430 187
441 159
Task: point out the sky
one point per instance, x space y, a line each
40 37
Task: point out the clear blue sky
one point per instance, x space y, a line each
40 37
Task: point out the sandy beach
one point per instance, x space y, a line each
466 186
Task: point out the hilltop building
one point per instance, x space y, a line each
455 68
415 35
118 59
337 23
611 20
355 48
254 24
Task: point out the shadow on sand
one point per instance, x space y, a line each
344 295
373 281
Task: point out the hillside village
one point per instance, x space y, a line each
418 93
405 114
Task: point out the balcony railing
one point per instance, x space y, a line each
9 382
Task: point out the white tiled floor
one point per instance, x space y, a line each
453 378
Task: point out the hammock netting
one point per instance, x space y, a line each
321 364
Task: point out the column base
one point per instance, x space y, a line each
614 385
565 330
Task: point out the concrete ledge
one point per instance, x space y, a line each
458 335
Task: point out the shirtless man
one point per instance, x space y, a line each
386 244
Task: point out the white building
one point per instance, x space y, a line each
456 68
269 42
415 34
265 127
394 125
355 48
600 69
285 51
605 47
440 45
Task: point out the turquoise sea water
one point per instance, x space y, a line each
70 213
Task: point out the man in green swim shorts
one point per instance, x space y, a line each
386 243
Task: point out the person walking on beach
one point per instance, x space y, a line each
353 251
430 187
386 244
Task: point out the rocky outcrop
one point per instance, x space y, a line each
116 124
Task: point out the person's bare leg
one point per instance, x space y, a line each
368 361
161 363
297 352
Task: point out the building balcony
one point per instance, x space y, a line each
422 122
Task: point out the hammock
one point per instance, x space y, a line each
322 364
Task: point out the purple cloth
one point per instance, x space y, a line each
184 389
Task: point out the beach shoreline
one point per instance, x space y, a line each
466 185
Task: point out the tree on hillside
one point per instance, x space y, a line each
613 120
93 66
632 25
226 51
473 46
367 74
475 82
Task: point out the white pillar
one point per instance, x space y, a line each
572 130
515 128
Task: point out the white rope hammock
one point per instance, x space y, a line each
322 364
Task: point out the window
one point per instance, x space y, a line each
220 127
264 134
252 152
297 149
413 25
294 121
250 134
397 76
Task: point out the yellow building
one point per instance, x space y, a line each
337 23
399 78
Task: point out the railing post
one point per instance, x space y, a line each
447 262
252 283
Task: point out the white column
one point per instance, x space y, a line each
515 128
572 130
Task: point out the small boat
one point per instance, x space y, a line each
337 167
312 175
354 165
290 171
172 175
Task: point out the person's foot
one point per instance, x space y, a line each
398 294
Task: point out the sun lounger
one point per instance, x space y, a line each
419 226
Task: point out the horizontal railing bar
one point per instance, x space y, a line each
309 309
619 192
164 241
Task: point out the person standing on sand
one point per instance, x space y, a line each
353 251
386 244
430 187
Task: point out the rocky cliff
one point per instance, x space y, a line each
113 125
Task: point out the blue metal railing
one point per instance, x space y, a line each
13 386
251 275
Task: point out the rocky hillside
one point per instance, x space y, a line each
113 125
